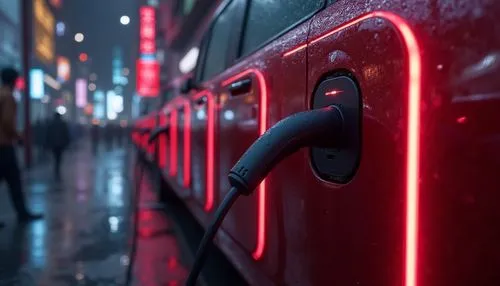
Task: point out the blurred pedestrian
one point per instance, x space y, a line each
58 139
9 168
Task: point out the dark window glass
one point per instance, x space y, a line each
267 18
218 46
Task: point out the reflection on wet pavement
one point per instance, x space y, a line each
84 239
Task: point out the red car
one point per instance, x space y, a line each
412 201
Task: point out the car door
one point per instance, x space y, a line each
216 52
352 225
252 96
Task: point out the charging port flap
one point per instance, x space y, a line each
339 165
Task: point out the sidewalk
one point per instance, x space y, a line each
84 238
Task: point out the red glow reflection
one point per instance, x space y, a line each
145 215
462 120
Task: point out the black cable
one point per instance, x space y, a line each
322 127
209 235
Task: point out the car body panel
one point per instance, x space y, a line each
421 209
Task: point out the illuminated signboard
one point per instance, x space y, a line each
117 65
148 68
37 87
117 103
110 105
147 30
63 69
81 92
148 78
99 104
44 31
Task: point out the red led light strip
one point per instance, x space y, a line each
291 52
210 151
187 144
162 141
173 143
261 208
413 130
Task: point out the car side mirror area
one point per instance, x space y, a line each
188 85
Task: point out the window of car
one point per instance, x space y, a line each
220 41
269 18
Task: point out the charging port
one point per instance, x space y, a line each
339 165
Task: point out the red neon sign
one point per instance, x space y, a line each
148 78
147 30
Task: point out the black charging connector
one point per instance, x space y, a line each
322 127
315 128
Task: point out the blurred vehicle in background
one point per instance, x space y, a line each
414 202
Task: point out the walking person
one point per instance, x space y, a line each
58 138
9 168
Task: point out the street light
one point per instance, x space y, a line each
79 37
61 110
124 20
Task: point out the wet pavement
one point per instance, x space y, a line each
85 238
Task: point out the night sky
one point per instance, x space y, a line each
99 21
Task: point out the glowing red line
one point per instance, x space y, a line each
300 47
210 152
413 144
261 208
413 139
187 144
173 143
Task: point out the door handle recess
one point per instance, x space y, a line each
200 101
240 87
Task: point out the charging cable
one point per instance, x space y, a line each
157 131
320 127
